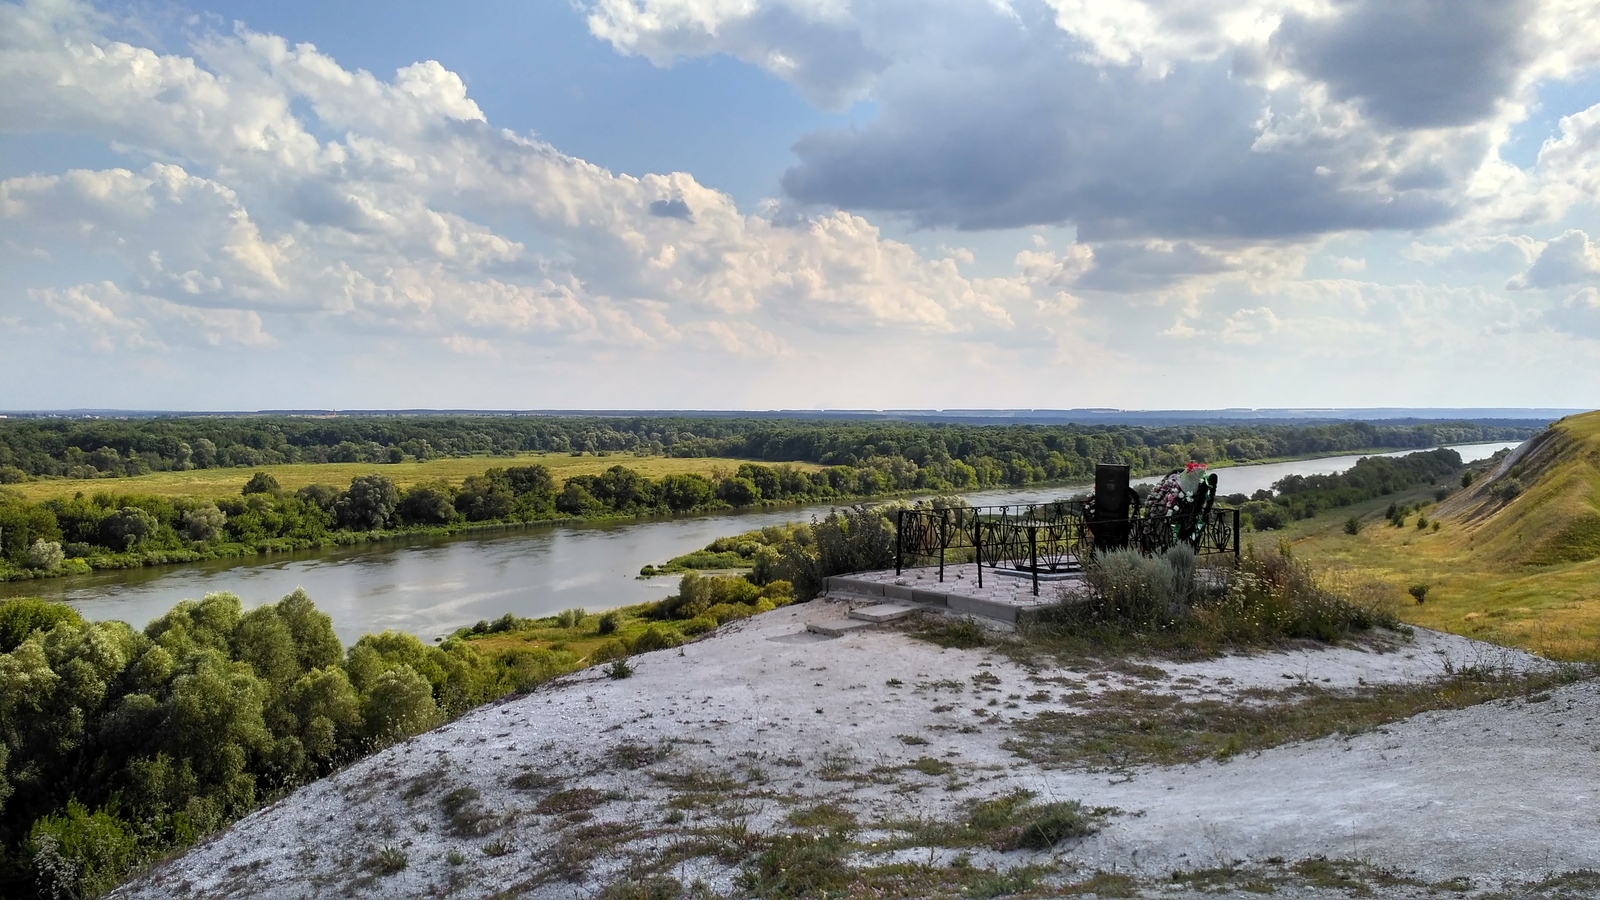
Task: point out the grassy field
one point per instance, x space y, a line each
215 483
1521 571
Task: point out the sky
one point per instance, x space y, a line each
801 204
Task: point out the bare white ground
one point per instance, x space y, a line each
1507 791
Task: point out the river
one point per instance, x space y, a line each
431 586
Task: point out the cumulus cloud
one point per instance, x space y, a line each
1568 260
248 210
1135 119
1414 63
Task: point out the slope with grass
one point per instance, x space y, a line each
1516 556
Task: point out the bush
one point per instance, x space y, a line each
570 618
655 638
1466 479
45 555
608 651
608 623
1152 602
699 625
80 854
1506 489
618 670
261 483
1352 525
1418 592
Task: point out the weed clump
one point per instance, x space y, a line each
388 860
1135 602
618 670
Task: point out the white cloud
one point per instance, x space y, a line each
1172 119
386 223
1567 260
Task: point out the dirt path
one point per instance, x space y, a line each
706 752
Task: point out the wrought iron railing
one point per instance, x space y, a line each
1048 539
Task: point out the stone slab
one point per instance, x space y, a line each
839 627
989 609
862 586
883 612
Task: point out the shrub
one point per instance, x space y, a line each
1422 523
655 638
1266 597
608 651
699 625
45 555
570 618
387 861
261 483
618 670
1466 479
608 623
1352 525
1506 489
79 853
1419 592
1126 587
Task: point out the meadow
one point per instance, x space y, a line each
1511 562
215 484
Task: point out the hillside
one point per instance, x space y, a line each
1514 558
1542 506
767 762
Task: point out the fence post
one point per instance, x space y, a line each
1236 534
1033 555
944 539
899 539
977 544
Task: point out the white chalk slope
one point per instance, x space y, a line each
1502 792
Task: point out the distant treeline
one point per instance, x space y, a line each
1304 496
952 455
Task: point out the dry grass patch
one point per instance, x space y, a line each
1126 728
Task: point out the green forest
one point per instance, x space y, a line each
955 455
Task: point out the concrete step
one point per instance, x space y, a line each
838 627
882 612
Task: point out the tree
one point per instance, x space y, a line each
485 497
369 504
427 504
205 453
204 522
685 492
126 527
738 491
45 555
261 483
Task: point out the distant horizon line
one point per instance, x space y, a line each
1001 413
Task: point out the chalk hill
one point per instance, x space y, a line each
1542 505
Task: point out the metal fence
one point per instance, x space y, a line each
1049 539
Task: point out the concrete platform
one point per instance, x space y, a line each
838 627
882 612
1005 597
